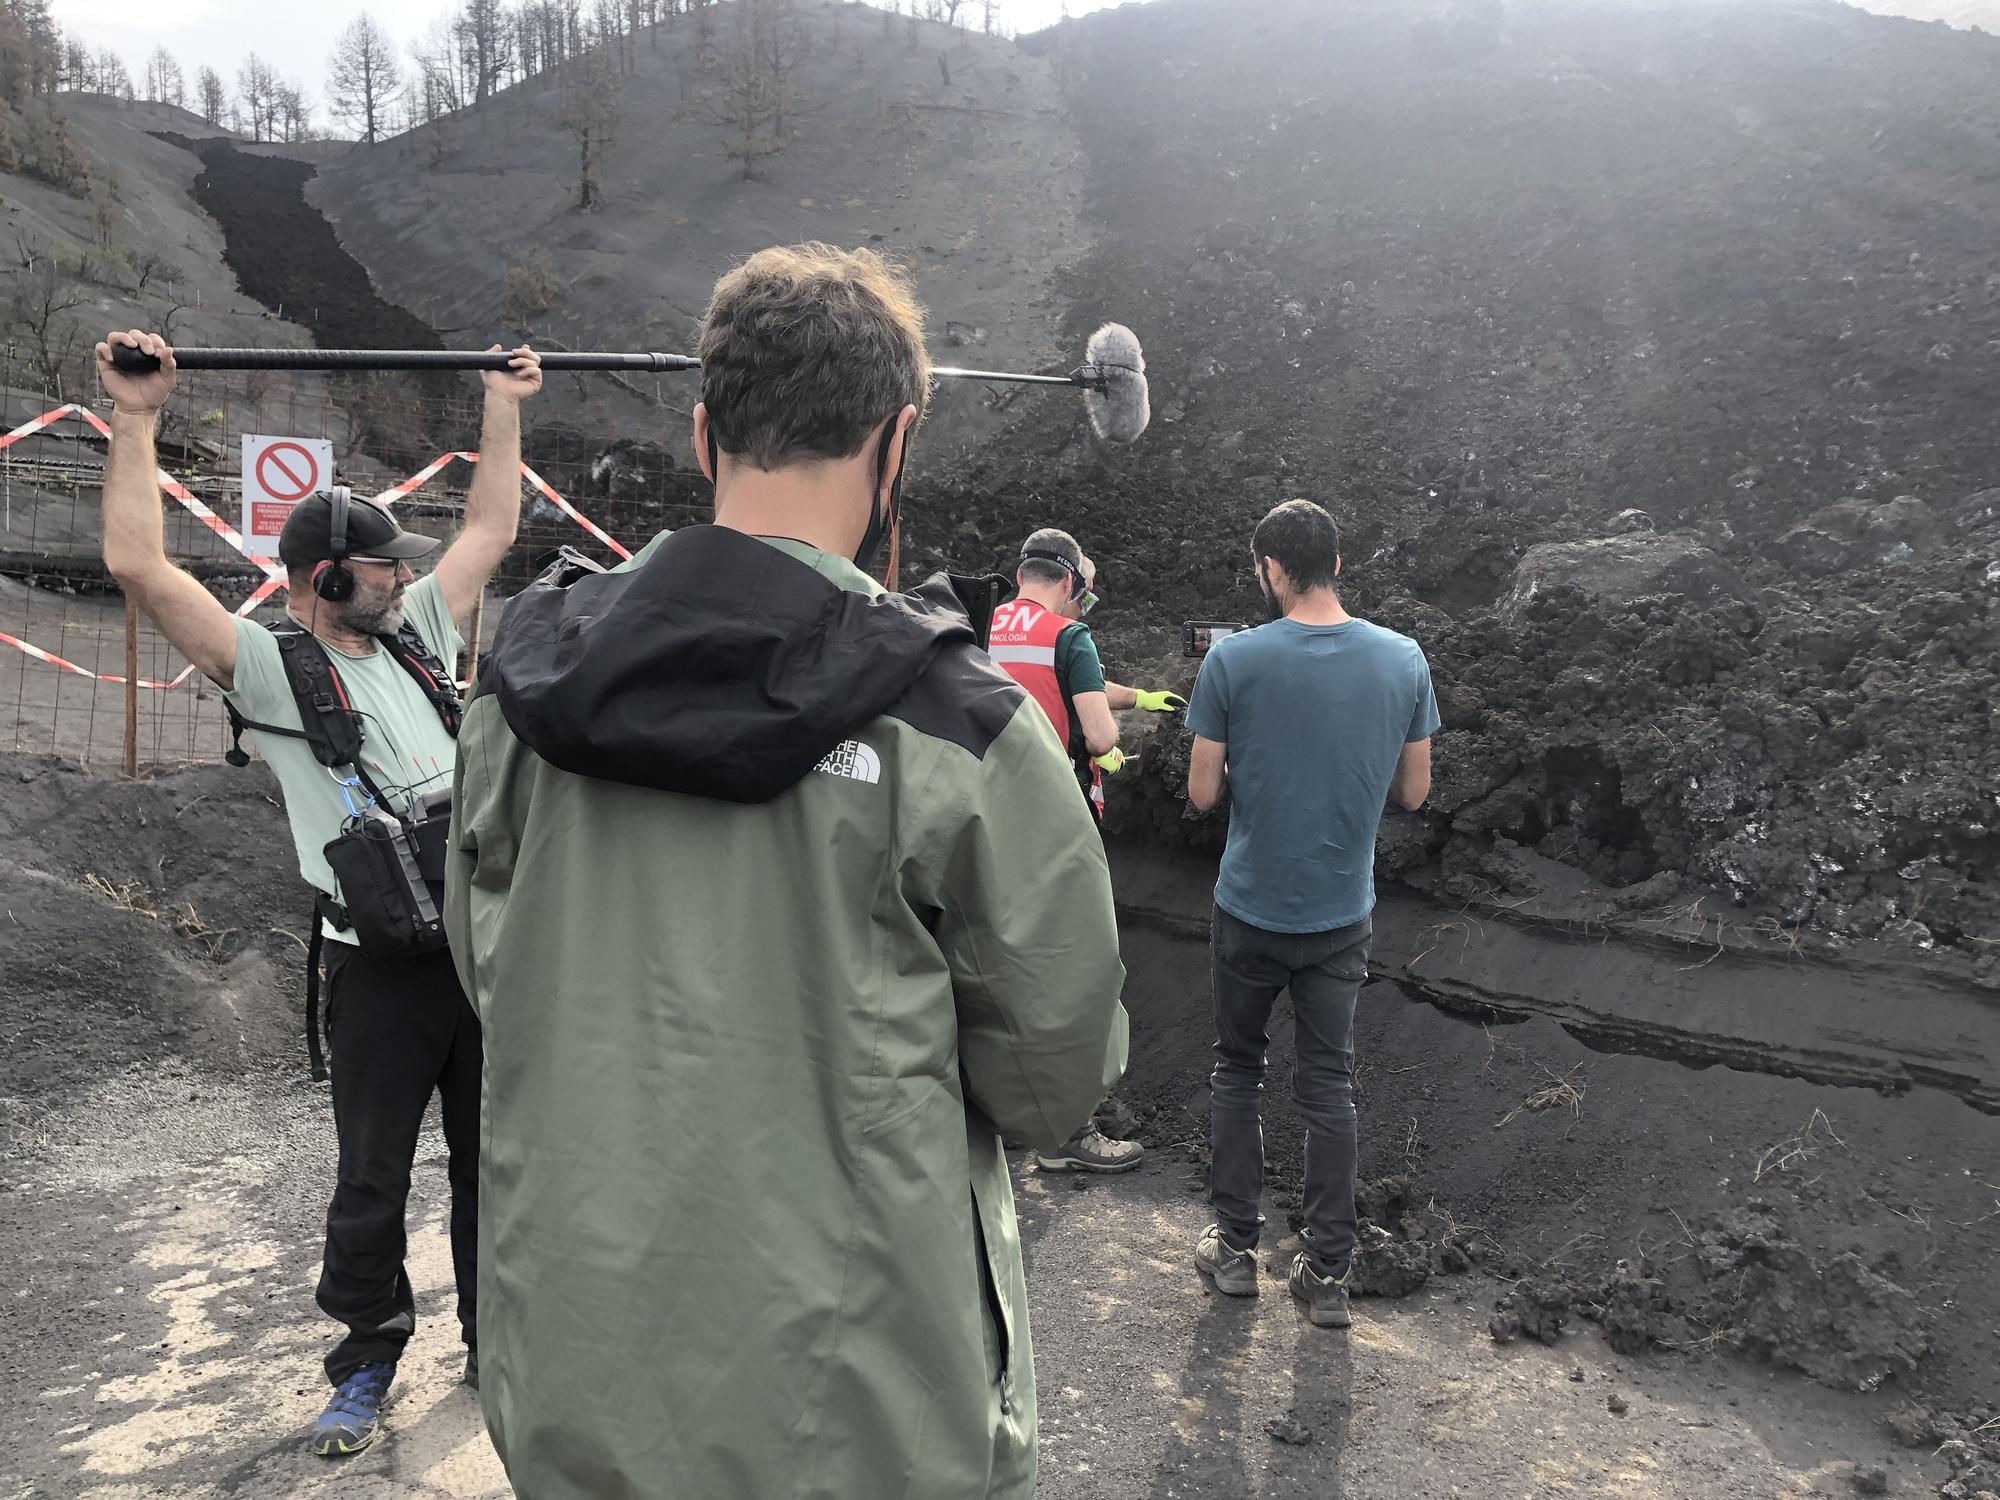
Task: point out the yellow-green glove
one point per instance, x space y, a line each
1111 761
1159 702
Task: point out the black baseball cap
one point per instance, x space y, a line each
371 532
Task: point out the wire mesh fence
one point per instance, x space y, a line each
64 642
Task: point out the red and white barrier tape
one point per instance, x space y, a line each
542 487
264 591
549 493
424 476
69 666
168 483
274 575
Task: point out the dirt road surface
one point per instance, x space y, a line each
161 1235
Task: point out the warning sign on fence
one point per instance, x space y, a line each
279 472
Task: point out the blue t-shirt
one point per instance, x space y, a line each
1314 718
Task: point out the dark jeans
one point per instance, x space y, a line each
397 1029
1325 972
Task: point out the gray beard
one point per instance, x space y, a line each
386 620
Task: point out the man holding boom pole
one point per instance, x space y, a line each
352 701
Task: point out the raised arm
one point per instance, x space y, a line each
493 505
135 547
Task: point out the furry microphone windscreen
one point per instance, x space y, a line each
1119 412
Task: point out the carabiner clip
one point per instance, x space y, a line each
348 786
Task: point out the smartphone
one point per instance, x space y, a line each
1198 635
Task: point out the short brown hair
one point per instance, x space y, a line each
806 349
1304 539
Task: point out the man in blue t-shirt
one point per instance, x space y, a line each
1313 723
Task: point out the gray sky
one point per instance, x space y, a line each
297 37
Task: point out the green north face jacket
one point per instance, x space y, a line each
779 908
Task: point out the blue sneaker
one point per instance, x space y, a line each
354 1416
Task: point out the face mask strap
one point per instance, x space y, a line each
882 518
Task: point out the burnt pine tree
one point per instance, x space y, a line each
364 77
608 21
112 78
485 35
257 89
211 98
758 91
163 78
35 312
439 90
31 52
79 69
590 105
294 113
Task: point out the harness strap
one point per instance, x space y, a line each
314 1055
327 717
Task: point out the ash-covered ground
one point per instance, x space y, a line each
1583 1268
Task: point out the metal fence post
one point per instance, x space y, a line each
131 690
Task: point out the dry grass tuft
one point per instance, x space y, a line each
124 897
186 923
1777 932
1560 1091
1788 1153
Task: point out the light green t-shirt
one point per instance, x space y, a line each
403 742
835 570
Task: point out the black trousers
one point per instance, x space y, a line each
1325 972
397 1029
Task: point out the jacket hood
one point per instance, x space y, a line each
719 667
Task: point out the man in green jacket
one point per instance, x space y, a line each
778 906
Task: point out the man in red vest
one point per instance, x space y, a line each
1040 640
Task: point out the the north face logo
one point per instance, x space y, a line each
854 760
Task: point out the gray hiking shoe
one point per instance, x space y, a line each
1233 1271
1324 1297
1091 1151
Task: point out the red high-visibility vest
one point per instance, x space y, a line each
1023 644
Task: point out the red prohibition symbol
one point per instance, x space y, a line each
286 471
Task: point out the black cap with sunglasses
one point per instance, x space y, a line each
310 534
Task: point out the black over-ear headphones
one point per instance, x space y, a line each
334 582
1075 573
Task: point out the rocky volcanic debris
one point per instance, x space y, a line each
1853 533
1386 1265
1619 570
1537 1308
1745 1284
1679 466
